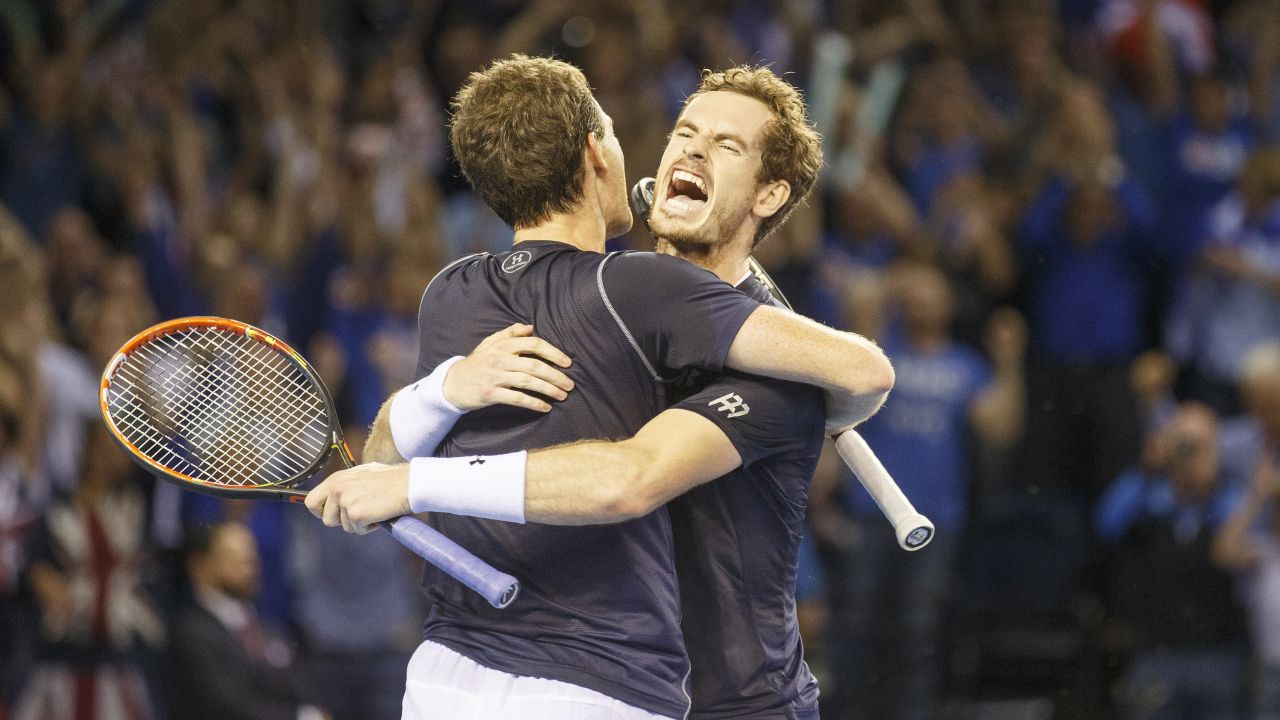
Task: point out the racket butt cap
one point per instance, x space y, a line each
914 532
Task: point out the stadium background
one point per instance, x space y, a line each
1081 199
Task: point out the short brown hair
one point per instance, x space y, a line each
792 147
518 131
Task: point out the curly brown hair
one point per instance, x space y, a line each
518 131
792 147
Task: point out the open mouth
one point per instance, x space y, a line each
686 193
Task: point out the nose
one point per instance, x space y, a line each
695 148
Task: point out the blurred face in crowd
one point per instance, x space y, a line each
1210 105
926 302
707 186
231 565
75 250
1259 182
105 464
1192 447
1261 396
1090 214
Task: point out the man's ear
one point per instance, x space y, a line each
593 154
771 197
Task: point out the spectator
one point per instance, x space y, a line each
1209 144
43 169
1084 246
19 461
1174 610
227 665
96 622
937 148
1233 301
1248 545
887 653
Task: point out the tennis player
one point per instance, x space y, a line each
736 539
595 632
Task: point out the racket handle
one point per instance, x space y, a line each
499 588
914 530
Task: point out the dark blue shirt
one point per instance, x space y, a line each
1205 168
599 606
737 548
921 433
1087 303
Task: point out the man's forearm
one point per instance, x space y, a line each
998 414
585 483
380 447
852 369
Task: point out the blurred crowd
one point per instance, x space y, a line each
1060 218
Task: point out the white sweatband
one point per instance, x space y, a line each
421 416
483 486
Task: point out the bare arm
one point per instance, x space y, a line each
586 483
998 414
605 482
853 370
379 447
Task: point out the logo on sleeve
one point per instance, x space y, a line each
516 260
731 404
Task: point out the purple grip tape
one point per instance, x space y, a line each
499 588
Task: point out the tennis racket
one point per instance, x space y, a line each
913 530
223 408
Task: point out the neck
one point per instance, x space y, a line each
728 261
581 229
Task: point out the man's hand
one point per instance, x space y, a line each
504 363
362 496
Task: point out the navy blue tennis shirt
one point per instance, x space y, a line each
737 543
599 605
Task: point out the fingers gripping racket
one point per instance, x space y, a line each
223 408
913 530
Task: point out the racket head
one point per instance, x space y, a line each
221 407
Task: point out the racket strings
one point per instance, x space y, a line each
215 412
219 407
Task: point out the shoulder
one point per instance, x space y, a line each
194 623
648 282
455 268
653 267
462 266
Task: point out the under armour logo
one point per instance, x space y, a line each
732 404
516 260
477 461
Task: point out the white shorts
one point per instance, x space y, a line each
444 685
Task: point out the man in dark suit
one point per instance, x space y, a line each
227 666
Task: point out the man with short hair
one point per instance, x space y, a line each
598 619
226 663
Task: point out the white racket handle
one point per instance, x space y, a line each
914 530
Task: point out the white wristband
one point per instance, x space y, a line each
421 416
487 486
